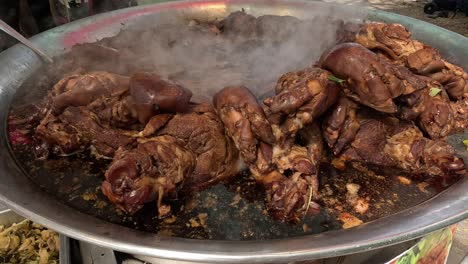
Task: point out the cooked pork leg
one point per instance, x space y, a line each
372 81
77 128
176 152
82 89
395 42
289 175
202 133
151 94
381 85
300 98
108 101
155 169
372 138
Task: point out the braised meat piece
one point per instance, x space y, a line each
460 112
369 137
202 133
151 94
106 100
340 126
186 151
86 111
57 137
372 81
105 94
244 120
295 195
115 111
431 110
428 62
77 128
154 170
394 41
391 88
300 98
120 100
413 152
289 175
82 89
391 39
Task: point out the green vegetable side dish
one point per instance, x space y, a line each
434 91
335 79
28 242
435 245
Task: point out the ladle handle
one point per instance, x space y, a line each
12 32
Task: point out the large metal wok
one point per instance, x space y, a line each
16 190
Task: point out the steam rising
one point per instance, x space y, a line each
250 51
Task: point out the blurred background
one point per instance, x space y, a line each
30 17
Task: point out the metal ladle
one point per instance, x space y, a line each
12 32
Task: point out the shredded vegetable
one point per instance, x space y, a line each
27 242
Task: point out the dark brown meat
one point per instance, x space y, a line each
55 134
372 81
294 196
119 100
288 197
417 154
432 113
83 89
244 120
385 38
460 111
154 170
340 127
103 93
77 128
381 85
369 142
115 111
187 146
301 97
151 94
202 133
370 114
388 142
395 41
86 110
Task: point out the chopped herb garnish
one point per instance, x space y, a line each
335 79
465 142
434 91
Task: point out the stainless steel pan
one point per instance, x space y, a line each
16 190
